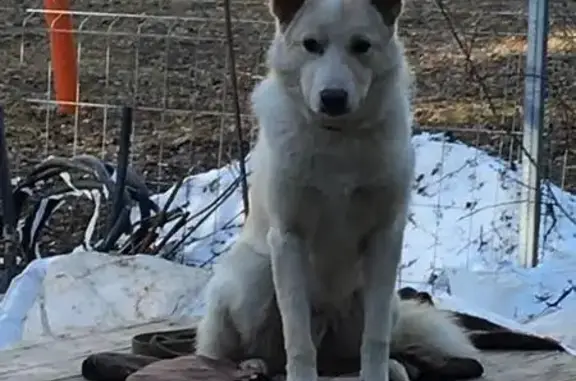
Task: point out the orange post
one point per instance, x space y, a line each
63 53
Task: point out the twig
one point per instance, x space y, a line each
550 212
221 197
237 117
467 56
567 291
211 208
161 220
177 226
492 206
557 203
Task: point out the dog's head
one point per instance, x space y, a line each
332 51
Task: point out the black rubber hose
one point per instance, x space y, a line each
121 169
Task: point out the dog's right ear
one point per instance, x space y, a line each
285 10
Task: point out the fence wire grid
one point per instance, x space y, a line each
169 60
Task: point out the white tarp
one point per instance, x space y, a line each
90 290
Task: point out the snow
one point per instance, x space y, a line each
461 243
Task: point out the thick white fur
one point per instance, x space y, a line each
318 255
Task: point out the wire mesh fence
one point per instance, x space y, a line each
169 61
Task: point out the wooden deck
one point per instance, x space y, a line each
59 360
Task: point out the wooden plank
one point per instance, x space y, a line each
44 352
60 359
26 355
529 366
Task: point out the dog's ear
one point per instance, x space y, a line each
389 10
285 10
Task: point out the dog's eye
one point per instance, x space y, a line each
313 46
360 46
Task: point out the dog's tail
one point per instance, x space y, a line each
424 328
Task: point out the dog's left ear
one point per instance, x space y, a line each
389 10
285 10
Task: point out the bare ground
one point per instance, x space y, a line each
174 71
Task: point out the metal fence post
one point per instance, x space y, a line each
9 220
534 99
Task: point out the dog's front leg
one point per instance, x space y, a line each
289 270
381 263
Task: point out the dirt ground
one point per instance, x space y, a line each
174 72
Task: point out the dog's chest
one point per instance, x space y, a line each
336 201
338 230
339 189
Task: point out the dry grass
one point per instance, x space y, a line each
182 91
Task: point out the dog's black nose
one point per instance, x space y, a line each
334 102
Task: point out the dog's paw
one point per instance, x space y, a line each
302 376
254 365
397 371
288 378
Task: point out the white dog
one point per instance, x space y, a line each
316 262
